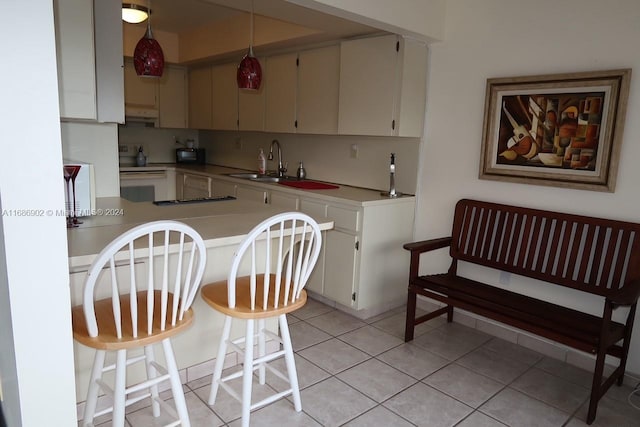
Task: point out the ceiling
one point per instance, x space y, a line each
185 15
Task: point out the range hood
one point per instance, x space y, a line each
147 115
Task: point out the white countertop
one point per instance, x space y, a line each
346 194
219 223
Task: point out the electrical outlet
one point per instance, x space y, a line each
354 151
238 143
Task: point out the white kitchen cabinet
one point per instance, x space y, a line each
89 56
340 267
365 266
139 91
249 192
179 185
200 98
196 186
280 83
224 97
166 94
221 188
318 90
172 97
382 86
283 200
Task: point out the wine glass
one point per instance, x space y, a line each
70 173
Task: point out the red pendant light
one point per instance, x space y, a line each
249 75
148 59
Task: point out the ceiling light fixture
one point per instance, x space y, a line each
134 13
249 73
148 59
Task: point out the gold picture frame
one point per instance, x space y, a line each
562 130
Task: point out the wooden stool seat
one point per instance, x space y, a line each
215 294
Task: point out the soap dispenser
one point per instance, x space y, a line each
141 159
262 163
302 173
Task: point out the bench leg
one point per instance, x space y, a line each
626 341
449 313
596 386
411 316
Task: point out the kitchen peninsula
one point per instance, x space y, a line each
222 224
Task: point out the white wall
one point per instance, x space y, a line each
500 38
35 307
95 143
326 158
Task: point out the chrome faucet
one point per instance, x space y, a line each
282 169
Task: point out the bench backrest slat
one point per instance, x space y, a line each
595 255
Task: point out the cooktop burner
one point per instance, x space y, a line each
188 201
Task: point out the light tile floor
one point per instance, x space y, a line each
361 373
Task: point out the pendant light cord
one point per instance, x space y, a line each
251 31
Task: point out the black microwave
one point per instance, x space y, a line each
190 155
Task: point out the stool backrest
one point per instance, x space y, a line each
159 265
281 253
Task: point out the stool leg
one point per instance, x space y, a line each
94 388
152 373
222 352
119 395
290 360
247 375
176 384
261 350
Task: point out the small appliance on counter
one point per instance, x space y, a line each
190 155
79 183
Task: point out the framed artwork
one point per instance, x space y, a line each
562 130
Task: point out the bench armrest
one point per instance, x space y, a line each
628 295
417 248
428 245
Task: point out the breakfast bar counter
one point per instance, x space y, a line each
222 224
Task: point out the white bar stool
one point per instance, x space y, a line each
150 305
280 253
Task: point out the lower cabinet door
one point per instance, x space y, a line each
251 193
340 272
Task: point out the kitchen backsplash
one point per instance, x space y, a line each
352 160
158 144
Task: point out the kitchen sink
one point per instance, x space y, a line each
252 176
247 175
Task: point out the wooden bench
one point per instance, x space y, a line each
594 255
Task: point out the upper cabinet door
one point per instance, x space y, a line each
200 98
318 90
139 91
225 96
89 54
76 58
172 97
367 86
280 79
